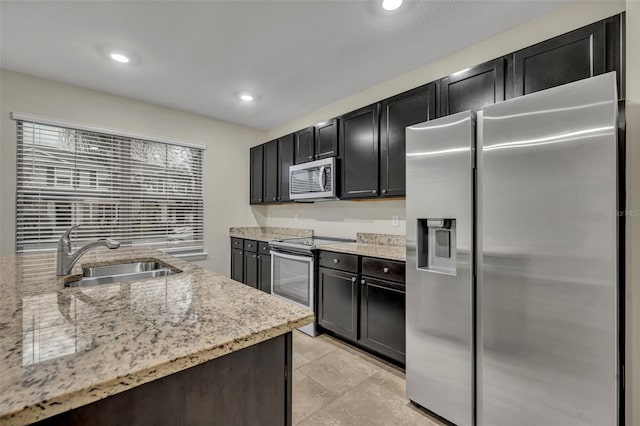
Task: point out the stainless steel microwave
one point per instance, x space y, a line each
315 180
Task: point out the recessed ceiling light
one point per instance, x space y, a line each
119 57
391 4
246 97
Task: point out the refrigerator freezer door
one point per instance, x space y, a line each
439 274
548 275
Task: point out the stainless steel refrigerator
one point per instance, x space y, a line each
512 260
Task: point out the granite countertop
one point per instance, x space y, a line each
371 250
268 233
66 347
384 246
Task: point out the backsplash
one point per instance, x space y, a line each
252 230
343 219
383 239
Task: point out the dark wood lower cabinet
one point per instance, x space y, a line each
338 302
382 317
264 267
237 265
251 269
249 387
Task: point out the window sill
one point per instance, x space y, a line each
191 257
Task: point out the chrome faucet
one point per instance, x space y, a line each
65 259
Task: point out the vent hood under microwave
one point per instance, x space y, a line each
313 181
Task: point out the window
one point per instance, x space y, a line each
138 192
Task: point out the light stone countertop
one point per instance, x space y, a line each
370 250
267 234
66 347
383 246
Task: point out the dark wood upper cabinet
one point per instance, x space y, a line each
409 108
473 88
359 152
270 173
285 159
573 56
304 145
256 163
326 139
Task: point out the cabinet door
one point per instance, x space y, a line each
237 265
304 145
398 112
473 88
338 302
382 325
251 269
270 174
326 139
255 171
573 56
359 153
285 159
264 278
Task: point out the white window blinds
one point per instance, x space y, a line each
137 192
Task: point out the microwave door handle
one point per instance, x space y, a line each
322 178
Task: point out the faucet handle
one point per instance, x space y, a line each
65 240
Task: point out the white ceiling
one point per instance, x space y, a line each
295 56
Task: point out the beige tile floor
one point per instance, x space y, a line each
339 385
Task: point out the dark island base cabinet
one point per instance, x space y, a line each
229 390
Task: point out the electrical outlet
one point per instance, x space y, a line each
395 220
296 218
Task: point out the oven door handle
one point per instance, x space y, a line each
303 258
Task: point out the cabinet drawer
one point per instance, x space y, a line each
263 248
341 261
381 268
237 243
251 245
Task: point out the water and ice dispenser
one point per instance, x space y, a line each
437 245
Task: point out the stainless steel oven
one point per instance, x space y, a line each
293 272
292 280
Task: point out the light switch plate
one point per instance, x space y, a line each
395 220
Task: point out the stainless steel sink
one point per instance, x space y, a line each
107 274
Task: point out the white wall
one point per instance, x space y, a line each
226 159
376 215
633 221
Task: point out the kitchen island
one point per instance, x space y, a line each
193 347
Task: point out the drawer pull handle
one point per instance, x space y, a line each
353 279
385 270
335 261
363 282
